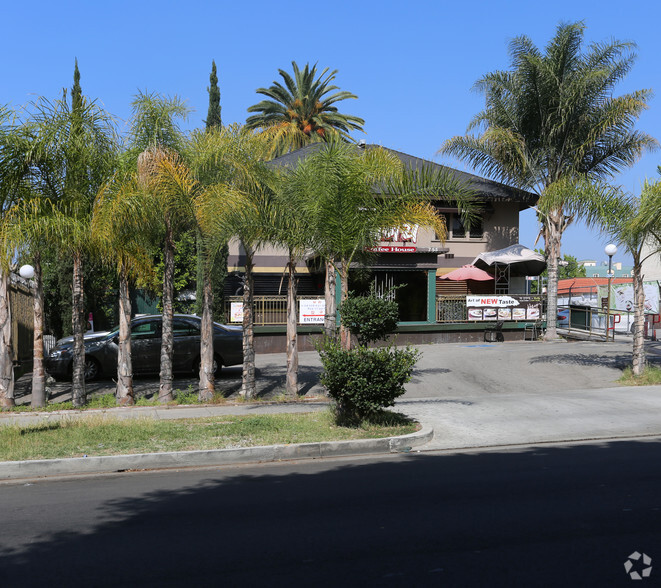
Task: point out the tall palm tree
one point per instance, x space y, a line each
291 229
123 240
72 152
303 110
632 222
553 116
217 162
14 144
241 207
155 139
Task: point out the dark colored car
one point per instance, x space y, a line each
101 348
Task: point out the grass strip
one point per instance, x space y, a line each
106 435
651 376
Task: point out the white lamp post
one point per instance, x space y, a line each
609 250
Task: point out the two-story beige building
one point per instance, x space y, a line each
413 260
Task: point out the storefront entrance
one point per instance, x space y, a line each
408 287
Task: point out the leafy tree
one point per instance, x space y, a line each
553 117
567 270
303 110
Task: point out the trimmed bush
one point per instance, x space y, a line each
369 318
363 381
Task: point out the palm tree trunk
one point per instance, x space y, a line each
345 334
248 385
553 236
638 355
6 355
330 319
292 334
206 387
124 391
38 372
78 391
167 336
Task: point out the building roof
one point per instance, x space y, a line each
487 190
586 285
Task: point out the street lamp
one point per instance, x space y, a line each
26 271
609 250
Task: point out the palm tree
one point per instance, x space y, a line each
345 216
303 110
14 143
155 141
123 240
72 152
634 223
290 228
216 162
241 207
552 117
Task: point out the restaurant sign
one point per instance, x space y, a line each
504 308
392 249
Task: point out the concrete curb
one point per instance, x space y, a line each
14 470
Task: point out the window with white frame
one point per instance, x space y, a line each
457 230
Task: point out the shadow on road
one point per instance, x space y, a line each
543 516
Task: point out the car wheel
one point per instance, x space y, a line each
217 366
92 369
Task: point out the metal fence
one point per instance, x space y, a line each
451 309
22 318
267 310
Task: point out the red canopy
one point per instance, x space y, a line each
468 272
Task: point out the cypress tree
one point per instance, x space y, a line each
213 114
219 264
76 92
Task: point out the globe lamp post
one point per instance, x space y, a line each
609 250
26 271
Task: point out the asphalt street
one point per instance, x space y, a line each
564 515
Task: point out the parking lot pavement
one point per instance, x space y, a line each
448 370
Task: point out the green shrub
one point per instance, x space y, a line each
370 318
363 381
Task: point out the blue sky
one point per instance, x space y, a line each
411 64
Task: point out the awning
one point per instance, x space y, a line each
521 260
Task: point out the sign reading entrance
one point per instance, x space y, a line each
311 311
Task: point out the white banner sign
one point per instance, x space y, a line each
236 312
622 297
497 301
312 311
